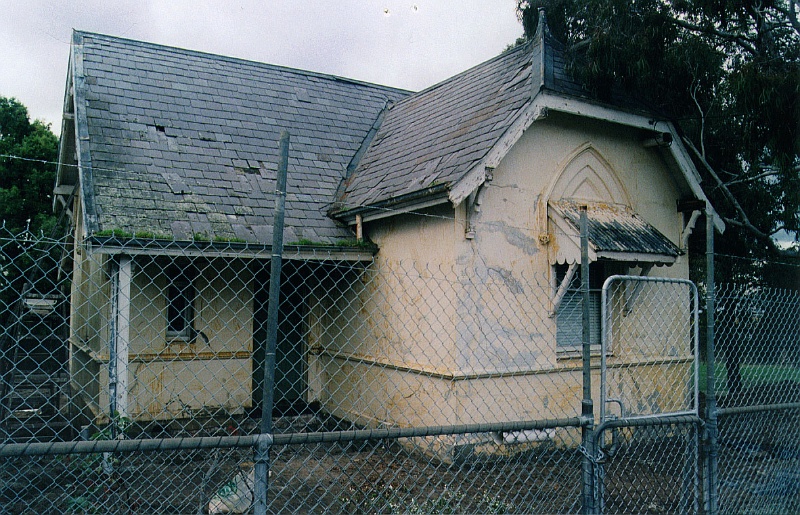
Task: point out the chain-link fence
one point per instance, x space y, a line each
134 380
757 378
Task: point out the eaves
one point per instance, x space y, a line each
112 246
428 197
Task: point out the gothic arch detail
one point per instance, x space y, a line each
587 175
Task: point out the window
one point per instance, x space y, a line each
569 315
180 305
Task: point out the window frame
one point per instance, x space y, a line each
181 287
599 271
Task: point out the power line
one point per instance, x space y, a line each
756 260
381 209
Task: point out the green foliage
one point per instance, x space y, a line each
27 179
94 474
115 233
303 242
728 72
123 234
362 244
229 239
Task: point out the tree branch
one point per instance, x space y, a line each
693 94
752 179
766 238
791 14
742 220
742 41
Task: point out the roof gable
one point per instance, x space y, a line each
436 136
180 143
441 144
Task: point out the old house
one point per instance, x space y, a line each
470 191
167 169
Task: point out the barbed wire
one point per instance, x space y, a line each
755 260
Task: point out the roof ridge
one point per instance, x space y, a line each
204 54
502 55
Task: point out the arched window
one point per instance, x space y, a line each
619 239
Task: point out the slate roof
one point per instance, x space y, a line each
437 135
433 138
183 143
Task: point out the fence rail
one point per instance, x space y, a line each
133 378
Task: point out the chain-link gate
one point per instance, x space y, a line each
649 403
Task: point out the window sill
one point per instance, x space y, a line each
180 340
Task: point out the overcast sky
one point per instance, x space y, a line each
409 44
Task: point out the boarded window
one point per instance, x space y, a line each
569 317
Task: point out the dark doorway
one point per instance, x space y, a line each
291 383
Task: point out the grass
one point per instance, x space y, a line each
752 375
142 235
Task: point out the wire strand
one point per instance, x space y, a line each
454 218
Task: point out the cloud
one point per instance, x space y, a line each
401 43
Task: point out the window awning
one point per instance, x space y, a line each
615 232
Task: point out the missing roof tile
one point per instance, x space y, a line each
175 183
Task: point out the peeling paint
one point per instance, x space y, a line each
515 236
507 276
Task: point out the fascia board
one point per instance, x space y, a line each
690 173
477 175
371 213
65 128
586 109
82 153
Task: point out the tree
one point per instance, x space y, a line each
728 71
27 170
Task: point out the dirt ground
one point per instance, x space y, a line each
345 477
653 470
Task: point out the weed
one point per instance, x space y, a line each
115 233
388 499
95 475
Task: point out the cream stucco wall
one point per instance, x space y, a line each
464 332
510 221
166 377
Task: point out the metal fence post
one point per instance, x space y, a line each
262 451
711 500
587 406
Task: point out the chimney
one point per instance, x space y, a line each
538 50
